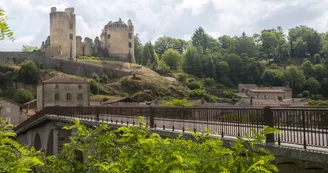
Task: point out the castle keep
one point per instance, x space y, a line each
116 39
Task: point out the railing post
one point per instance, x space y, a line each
268 121
304 131
151 117
97 114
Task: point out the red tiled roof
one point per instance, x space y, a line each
62 79
277 88
248 86
242 95
124 99
29 112
259 90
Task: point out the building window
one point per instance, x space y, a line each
69 96
108 36
80 86
130 35
71 36
130 44
71 25
80 97
57 96
57 86
265 97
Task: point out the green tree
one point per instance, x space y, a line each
295 78
245 45
162 69
145 55
164 43
312 85
104 78
138 49
27 48
273 44
209 70
273 77
307 68
94 88
320 71
172 58
200 39
192 62
22 96
29 72
226 42
304 39
15 157
4 28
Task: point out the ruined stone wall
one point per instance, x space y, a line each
69 67
62 34
88 47
79 46
118 38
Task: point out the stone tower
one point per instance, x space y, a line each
118 40
62 34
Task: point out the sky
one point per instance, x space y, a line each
29 19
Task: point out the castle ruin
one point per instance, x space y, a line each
116 39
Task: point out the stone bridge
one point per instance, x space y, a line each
301 147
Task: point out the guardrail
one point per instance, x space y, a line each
303 126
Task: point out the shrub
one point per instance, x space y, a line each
316 97
318 103
95 77
162 69
181 77
306 94
104 78
94 87
228 94
22 96
177 102
194 85
209 82
29 72
200 93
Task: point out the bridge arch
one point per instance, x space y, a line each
37 142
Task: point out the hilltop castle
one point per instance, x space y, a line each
116 39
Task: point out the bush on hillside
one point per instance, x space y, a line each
177 102
209 82
194 85
29 72
22 96
200 93
162 68
95 77
318 103
316 97
104 78
181 77
228 94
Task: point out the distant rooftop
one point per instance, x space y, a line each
62 79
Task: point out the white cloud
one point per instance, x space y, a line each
29 19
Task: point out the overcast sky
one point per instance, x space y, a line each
29 19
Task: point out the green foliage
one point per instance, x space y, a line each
312 85
14 157
172 58
162 69
316 97
306 94
294 77
95 77
4 28
200 93
164 43
209 82
192 63
307 68
29 72
27 48
22 96
96 58
318 103
177 102
104 79
138 49
200 39
135 149
228 94
181 77
1 92
273 77
194 85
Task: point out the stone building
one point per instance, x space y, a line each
63 91
62 41
118 39
11 111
